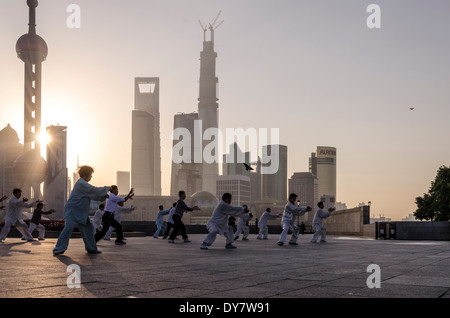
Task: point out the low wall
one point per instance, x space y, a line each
414 230
351 222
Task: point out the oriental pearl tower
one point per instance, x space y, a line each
30 167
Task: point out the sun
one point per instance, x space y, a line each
44 138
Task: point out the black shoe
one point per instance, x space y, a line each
280 243
58 252
120 243
94 251
290 243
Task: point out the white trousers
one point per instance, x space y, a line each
213 231
295 230
320 229
263 232
40 228
244 229
21 226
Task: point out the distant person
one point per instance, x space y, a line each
317 222
14 215
97 220
108 218
35 221
179 226
232 222
287 221
302 228
243 227
118 217
217 224
169 221
76 212
160 220
263 233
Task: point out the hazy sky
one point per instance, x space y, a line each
311 68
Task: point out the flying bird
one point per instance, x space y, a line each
247 167
411 108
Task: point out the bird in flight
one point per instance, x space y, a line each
411 108
247 167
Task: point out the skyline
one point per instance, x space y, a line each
351 87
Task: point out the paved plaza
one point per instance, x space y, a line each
153 268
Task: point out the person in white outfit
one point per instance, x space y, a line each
287 221
218 223
118 216
242 227
14 215
97 220
317 222
262 224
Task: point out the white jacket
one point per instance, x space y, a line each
15 206
219 218
264 217
290 210
319 216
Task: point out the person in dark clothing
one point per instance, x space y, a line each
35 221
178 225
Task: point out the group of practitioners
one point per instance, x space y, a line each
219 223
107 217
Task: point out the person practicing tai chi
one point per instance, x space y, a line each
243 227
35 221
97 220
287 221
178 225
169 221
160 220
14 215
317 222
118 216
76 212
108 217
217 224
262 224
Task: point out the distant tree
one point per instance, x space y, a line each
435 205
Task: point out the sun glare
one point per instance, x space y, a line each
44 138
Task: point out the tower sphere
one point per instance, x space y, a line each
32 3
31 46
30 167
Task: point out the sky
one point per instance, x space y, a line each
313 69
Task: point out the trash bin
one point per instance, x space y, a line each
382 227
392 230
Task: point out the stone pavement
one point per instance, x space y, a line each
152 268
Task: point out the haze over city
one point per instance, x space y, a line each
313 69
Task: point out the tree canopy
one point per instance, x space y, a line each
435 205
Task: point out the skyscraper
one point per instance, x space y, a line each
274 185
208 105
146 141
305 185
55 186
323 165
186 176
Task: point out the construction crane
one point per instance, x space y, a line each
212 27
